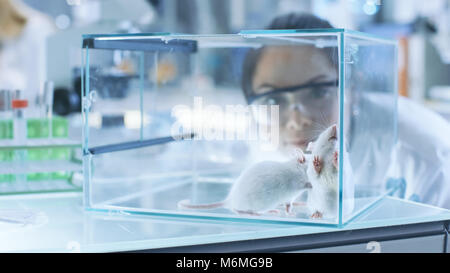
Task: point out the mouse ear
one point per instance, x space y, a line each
310 147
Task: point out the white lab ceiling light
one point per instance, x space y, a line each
62 21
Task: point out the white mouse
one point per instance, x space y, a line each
263 187
322 172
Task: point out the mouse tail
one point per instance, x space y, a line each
186 204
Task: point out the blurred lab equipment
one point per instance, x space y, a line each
37 152
217 16
22 55
422 29
64 66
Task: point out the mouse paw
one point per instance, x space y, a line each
317 215
335 159
301 160
317 164
300 156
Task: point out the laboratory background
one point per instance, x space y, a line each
88 90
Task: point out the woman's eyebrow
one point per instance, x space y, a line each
315 79
267 85
271 86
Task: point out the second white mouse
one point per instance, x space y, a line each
322 172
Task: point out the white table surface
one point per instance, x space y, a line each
64 226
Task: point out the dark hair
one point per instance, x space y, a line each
288 21
298 21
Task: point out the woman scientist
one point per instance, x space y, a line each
303 82
22 48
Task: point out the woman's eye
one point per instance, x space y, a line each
272 101
320 93
279 100
269 101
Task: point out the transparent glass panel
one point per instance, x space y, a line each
370 120
113 96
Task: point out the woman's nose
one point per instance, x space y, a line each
297 121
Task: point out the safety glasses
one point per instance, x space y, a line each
313 98
314 86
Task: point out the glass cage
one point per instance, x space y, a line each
281 125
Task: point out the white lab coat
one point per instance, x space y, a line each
423 154
23 60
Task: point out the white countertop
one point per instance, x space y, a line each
64 226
